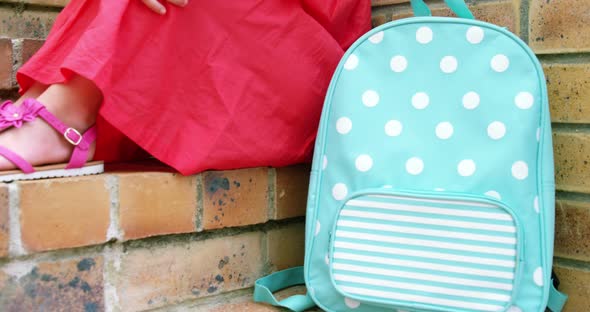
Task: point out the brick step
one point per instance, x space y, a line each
135 241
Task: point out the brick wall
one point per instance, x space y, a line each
141 240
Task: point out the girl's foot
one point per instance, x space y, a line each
75 103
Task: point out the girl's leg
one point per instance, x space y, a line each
75 103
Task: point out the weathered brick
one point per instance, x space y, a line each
575 283
559 26
63 213
4 221
387 2
235 198
378 19
29 48
291 191
156 203
16 23
572 161
286 246
568 86
5 63
167 274
502 13
69 285
572 233
56 3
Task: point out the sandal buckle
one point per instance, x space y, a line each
76 142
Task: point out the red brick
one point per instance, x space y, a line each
29 48
4 221
56 3
572 233
6 60
68 285
286 246
173 272
235 198
25 24
64 213
575 282
156 203
291 191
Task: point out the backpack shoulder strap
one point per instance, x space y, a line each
266 286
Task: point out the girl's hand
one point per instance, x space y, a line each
157 7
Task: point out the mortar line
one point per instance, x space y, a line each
15 247
271 205
199 209
114 231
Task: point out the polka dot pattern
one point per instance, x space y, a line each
449 64
500 63
344 125
493 194
444 130
466 167
520 170
414 166
475 35
351 62
496 130
364 163
376 38
339 191
471 100
424 35
538 277
370 98
351 303
318 227
514 309
524 100
393 128
420 100
398 63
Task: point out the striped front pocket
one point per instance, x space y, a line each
426 253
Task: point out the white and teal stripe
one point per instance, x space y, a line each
446 253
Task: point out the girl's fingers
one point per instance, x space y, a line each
155 6
179 2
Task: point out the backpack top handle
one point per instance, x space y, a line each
457 6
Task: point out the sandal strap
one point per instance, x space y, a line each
80 155
22 164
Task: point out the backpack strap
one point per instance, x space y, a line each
557 299
457 6
266 286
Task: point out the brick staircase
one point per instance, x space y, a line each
140 238
128 241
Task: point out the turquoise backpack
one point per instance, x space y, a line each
432 183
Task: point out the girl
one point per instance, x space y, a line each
198 85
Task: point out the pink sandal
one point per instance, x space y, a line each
29 110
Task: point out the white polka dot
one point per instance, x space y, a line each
351 62
327 259
466 167
353 304
538 276
424 35
520 170
364 163
536 204
343 125
387 186
474 35
471 100
444 130
514 309
538 134
524 100
496 130
414 166
500 63
370 98
376 38
420 100
393 128
325 163
398 63
439 189
493 194
318 226
448 64
339 191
